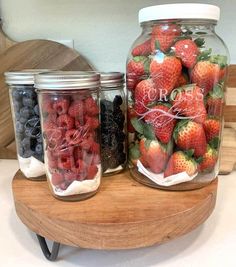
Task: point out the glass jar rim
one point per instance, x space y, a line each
179 11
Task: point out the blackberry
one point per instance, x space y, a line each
106 105
113 162
120 136
117 101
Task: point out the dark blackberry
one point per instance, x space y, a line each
117 101
119 118
120 147
106 105
121 157
113 162
120 136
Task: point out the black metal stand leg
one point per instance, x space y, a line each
51 256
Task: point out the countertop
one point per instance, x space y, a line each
211 244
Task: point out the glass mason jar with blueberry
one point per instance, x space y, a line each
26 120
113 122
176 73
69 109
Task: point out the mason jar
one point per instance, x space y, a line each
26 120
176 74
69 109
113 122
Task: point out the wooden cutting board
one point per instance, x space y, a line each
29 55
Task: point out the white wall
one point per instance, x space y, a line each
103 30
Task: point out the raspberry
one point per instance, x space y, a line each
64 152
86 143
52 164
65 121
49 125
80 166
92 122
57 178
95 148
51 117
73 137
91 106
81 176
54 135
92 171
70 176
77 109
63 186
96 160
47 106
77 153
65 163
61 106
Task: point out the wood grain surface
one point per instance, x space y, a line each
31 55
122 215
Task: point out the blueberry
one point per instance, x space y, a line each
33 122
21 151
17 106
17 116
40 139
36 109
27 153
26 143
28 132
39 149
28 102
33 132
19 127
39 157
30 93
16 94
117 101
23 120
26 112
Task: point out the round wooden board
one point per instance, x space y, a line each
33 54
122 215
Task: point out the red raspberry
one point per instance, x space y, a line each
64 152
96 160
86 143
92 171
54 135
61 106
52 163
63 186
65 121
47 106
81 176
80 166
51 117
73 137
91 106
49 125
95 148
77 153
77 109
65 163
70 176
57 178
92 122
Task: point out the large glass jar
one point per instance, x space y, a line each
25 114
113 122
69 110
176 73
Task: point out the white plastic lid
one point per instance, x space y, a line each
179 11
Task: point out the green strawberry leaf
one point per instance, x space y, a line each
169 147
179 127
134 152
147 143
137 124
199 160
215 142
139 59
205 55
189 153
157 45
148 131
217 91
199 42
220 60
146 65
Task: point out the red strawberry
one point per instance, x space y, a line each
215 101
65 121
92 171
190 135
165 72
180 162
135 155
61 106
189 102
143 49
154 154
162 120
208 73
138 66
163 36
212 128
145 93
130 114
187 51
208 160
91 106
57 178
76 109
182 80
132 80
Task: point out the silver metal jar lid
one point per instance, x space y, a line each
62 80
112 79
23 77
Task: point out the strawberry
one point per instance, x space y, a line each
145 93
61 106
91 107
165 72
135 155
76 109
138 66
57 178
190 135
161 118
163 36
208 160
189 102
143 49
187 51
92 171
209 72
154 153
132 80
65 121
182 80
212 128
215 101
180 162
